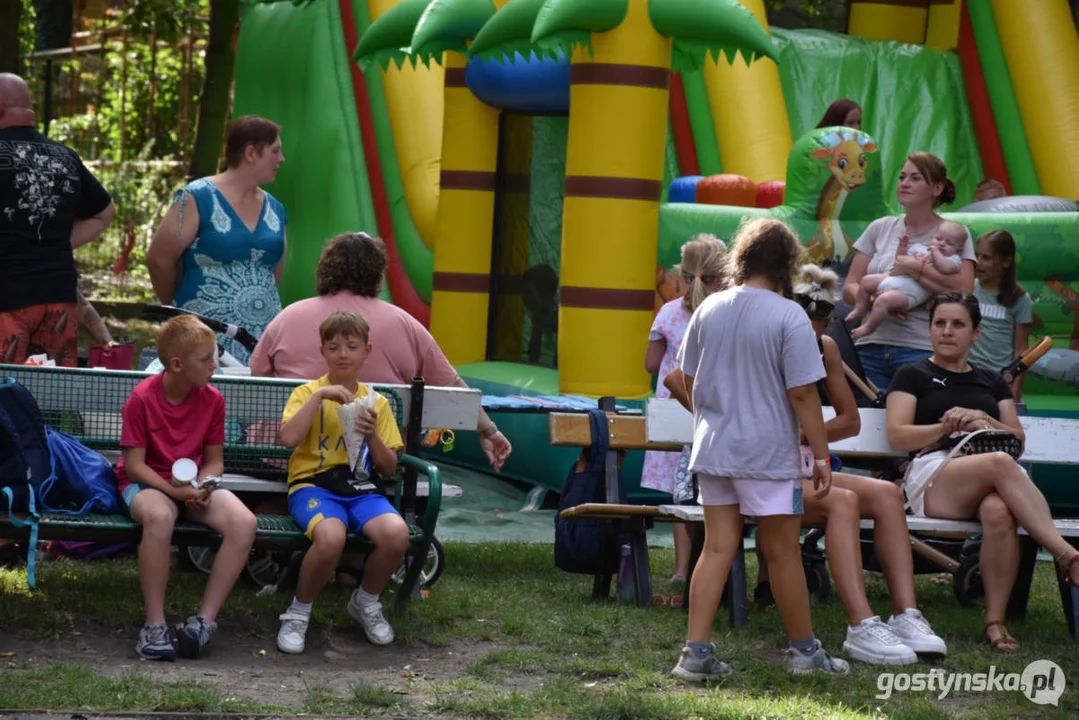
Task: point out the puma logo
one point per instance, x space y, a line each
940 380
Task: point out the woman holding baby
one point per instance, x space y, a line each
899 334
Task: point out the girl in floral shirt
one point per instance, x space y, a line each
702 272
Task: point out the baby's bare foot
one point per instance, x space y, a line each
859 332
855 315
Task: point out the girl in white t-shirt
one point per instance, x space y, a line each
702 272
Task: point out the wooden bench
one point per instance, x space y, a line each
87 403
668 426
1049 441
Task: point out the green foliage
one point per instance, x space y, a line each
141 191
167 19
26 28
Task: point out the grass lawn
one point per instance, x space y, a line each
539 648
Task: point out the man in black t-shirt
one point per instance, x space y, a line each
49 205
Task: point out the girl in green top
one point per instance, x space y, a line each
1005 306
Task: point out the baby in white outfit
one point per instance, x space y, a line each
899 293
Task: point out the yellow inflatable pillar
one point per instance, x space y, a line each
750 117
898 20
942 32
462 272
1041 47
614 180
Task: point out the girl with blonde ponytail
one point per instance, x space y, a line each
703 270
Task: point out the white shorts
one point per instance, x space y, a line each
921 469
753 497
916 294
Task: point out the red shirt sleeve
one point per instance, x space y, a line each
215 433
133 427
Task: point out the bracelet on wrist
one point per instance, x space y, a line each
822 462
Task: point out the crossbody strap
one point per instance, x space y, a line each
951 456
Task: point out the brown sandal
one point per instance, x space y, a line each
1004 642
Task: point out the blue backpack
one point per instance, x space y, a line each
25 462
42 469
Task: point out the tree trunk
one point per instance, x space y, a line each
216 86
10 14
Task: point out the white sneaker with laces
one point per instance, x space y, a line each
873 642
375 625
913 629
291 638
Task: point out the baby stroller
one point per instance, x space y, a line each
932 554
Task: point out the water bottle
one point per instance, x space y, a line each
626 582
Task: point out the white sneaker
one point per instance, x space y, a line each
912 628
873 642
375 626
291 637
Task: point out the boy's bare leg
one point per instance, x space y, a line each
888 303
867 288
389 533
157 514
327 542
778 537
230 517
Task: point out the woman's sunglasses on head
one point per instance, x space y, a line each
820 309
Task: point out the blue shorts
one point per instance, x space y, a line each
311 505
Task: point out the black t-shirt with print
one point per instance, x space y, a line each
939 390
44 189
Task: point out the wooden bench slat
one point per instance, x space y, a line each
1049 440
627 432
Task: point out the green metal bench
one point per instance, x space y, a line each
87 404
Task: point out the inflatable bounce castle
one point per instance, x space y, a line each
534 166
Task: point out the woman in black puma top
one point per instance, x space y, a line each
930 400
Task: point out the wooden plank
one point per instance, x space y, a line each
603 511
627 432
932 526
1050 441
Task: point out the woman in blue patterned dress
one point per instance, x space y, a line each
220 249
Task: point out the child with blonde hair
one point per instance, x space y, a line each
703 271
170 416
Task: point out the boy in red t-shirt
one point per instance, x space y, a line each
172 415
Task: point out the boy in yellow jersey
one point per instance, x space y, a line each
327 497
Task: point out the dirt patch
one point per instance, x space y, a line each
251 668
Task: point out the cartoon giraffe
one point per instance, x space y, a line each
846 153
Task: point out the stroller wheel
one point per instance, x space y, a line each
432 569
967 581
817 581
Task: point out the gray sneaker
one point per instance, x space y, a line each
194 636
693 668
154 643
820 661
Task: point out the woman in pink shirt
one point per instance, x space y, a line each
348 278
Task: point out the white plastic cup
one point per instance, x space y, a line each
184 472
